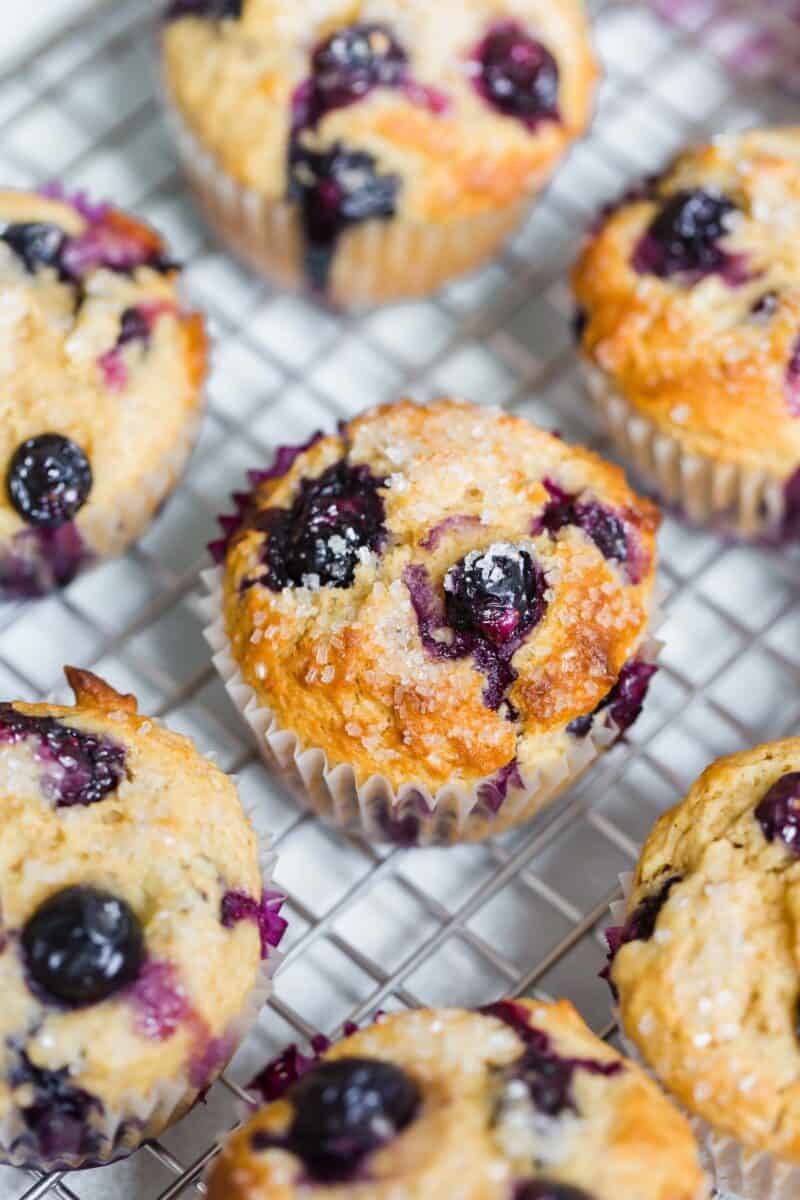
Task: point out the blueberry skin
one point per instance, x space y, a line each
546 1189
212 10
684 235
778 813
353 61
518 75
491 594
49 480
36 243
82 945
346 1109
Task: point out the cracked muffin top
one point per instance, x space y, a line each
689 295
132 921
441 593
707 966
517 1102
447 110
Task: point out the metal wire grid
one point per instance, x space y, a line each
373 929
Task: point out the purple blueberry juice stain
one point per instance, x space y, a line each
611 533
58 1117
434 537
159 1001
778 813
792 380
547 1075
517 75
38 560
209 1057
625 700
81 768
493 793
136 325
640 925
238 906
790 525
491 601
765 306
684 239
401 823
548 1189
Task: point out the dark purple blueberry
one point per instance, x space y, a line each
353 61
547 1189
346 1109
625 700
608 530
765 306
336 189
778 813
213 10
517 75
57 1117
81 768
334 517
492 592
580 321
36 244
790 529
134 325
640 925
238 906
49 480
546 1074
685 235
82 945
792 382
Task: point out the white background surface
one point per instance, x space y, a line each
28 23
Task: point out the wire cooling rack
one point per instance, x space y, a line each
373 928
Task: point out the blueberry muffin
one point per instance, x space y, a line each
519 1100
100 385
434 619
134 927
707 964
372 150
689 315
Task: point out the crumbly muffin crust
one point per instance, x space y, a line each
689 294
125 806
234 81
95 349
398 658
708 971
479 1132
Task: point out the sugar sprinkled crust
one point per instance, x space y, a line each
475 1135
711 997
94 347
170 839
710 356
234 82
349 668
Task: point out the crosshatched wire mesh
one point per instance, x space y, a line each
374 928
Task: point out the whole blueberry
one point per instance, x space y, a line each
346 1109
49 480
82 945
685 235
518 75
36 243
353 61
492 591
133 327
778 813
546 1189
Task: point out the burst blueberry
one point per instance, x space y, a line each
625 700
548 1189
36 243
685 235
353 61
57 1116
82 945
344 1110
517 75
778 813
212 10
81 768
492 592
49 480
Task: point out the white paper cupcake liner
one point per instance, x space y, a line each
412 815
146 1116
731 499
374 263
738 1173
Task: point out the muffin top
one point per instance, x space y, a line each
441 594
439 111
99 368
133 919
518 1100
690 293
708 963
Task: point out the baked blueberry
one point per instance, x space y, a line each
517 75
792 386
81 768
492 592
685 235
36 243
134 325
82 945
334 519
336 189
214 10
765 306
606 528
547 1189
625 700
57 1116
353 61
344 1110
778 813
49 480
